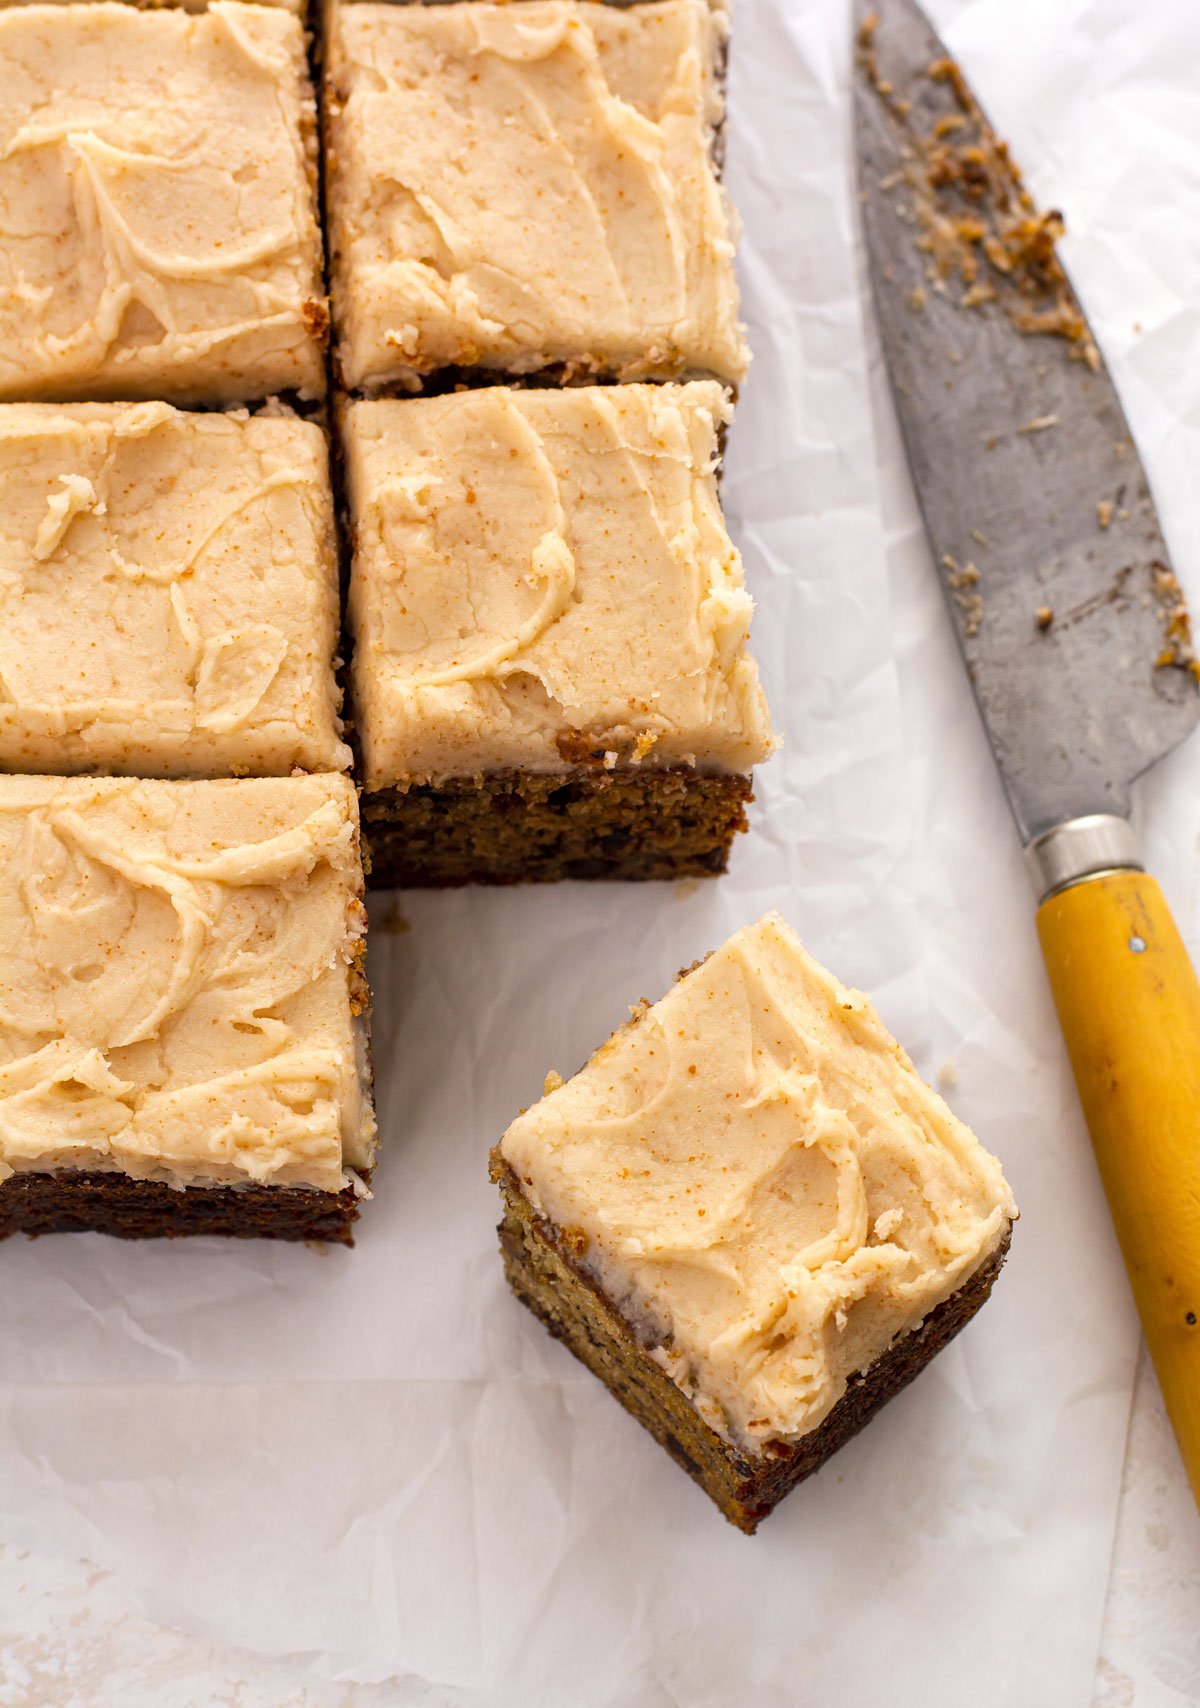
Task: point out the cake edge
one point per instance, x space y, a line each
549 1280
623 825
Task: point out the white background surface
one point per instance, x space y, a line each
370 1468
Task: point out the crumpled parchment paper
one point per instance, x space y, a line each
374 1461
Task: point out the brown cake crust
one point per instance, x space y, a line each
546 1276
81 1201
514 827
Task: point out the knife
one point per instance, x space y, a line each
1071 624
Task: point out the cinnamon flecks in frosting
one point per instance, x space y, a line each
519 186
168 593
540 576
759 1179
157 226
179 981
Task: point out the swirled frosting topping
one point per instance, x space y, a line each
517 186
759 1178
179 993
535 570
168 592
157 226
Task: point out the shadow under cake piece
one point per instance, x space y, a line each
750 1218
158 233
183 1012
550 673
168 593
527 189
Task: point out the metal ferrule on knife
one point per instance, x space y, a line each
1082 848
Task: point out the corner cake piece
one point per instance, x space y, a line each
168 593
750 1218
158 235
183 1031
550 671
528 188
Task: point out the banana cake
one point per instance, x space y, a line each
528 189
750 1218
550 673
183 1015
168 593
158 231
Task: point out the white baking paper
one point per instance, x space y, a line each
374 1462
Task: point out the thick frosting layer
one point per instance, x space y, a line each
755 1172
519 185
177 985
157 229
168 592
541 574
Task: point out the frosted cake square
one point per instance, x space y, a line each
168 593
183 1016
750 1218
158 235
550 669
528 188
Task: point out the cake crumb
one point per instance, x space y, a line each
917 299
575 1241
1104 512
1039 424
1177 624
948 1073
552 1082
973 216
1044 616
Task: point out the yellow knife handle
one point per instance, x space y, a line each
1129 1003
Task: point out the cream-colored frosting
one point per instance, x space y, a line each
519 185
763 1183
153 5
176 1000
168 592
157 227
533 567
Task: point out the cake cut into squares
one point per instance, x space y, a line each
550 670
528 188
183 1014
168 592
158 235
750 1218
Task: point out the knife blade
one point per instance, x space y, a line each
1069 617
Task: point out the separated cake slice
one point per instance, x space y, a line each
158 235
528 187
550 670
183 1015
750 1218
168 593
